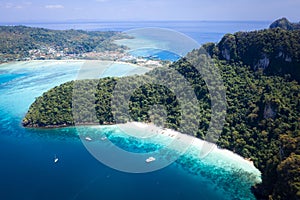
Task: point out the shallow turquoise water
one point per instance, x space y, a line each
27 169
155 54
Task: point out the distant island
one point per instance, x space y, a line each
260 70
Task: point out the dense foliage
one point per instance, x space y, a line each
258 68
17 41
78 102
276 51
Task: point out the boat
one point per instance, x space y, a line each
88 139
55 159
103 138
150 159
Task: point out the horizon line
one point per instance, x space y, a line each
120 21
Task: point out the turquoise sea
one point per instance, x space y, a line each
27 168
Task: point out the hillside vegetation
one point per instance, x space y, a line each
21 43
262 121
284 23
276 51
261 73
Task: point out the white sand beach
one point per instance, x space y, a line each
188 144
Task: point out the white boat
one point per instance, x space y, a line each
103 138
88 139
150 159
55 159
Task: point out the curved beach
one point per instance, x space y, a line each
186 145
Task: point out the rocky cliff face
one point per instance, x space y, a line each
269 111
227 47
262 63
276 51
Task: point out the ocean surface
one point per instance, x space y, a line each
27 168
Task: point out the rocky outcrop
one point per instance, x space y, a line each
281 55
269 111
228 47
276 51
226 54
262 63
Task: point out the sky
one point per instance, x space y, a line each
148 10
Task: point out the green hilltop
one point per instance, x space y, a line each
28 43
284 23
276 51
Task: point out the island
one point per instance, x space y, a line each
260 70
21 43
18 43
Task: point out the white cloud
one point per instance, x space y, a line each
56 6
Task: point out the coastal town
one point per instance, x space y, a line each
45 44
120 55
49 53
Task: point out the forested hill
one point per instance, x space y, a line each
263 111
262 120
276 50
284 23
23 43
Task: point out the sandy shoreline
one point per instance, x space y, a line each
182 142
76 61
172 134
48 60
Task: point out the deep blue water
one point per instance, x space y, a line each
151 54
27 169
